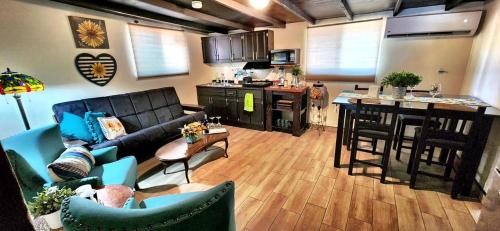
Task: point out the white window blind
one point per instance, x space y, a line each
159 52
344 52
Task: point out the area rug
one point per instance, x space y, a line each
155 179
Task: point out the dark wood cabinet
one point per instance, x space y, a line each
242 47
223 49
229 103
248 50
236 47
262 45
209 46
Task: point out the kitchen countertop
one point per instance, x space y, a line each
233 86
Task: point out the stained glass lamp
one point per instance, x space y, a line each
14 83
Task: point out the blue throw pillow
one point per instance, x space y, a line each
93 125
74 127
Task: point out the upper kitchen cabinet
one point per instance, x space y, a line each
263 44
241 47
236 47
209 47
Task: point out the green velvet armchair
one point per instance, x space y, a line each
208 210
30 152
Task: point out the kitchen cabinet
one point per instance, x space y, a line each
223 49
236 47
229 104
241 47
209 47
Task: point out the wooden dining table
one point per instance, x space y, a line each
418 106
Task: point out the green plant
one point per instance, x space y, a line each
296 71
402 79
49 200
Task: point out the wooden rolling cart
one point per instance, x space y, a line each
286 102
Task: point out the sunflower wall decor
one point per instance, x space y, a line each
89 33
97 69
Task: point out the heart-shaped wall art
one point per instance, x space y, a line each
98 70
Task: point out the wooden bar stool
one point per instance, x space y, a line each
375 129
350 123
461 137
399 137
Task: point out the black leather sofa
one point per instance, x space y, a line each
151 118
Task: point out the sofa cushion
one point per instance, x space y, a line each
147 119
176 110
74 163
167 200
141 102
94 126
100 104
157 98
122 172
111 127
156 135
122 105
73 127
75 107
131 123
163 114
171 96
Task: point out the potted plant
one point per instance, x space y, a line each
296 71
192 132
47 204
400 81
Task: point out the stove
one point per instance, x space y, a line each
264 83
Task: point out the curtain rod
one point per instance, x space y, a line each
157 27
342 23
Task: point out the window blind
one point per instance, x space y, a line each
343 52
159 52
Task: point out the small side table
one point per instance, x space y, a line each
114 195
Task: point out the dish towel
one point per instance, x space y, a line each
248 102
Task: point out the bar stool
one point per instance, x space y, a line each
374 127
448 135
399 137
350 124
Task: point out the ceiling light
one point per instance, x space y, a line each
197 4
259 4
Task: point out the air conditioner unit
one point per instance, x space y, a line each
434 25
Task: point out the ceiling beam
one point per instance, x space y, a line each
127 11
450 4
294 9
172 8
347 9
249 11
397 8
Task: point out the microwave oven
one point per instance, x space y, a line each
285 57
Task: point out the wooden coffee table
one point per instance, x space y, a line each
180 151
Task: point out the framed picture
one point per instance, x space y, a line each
89 33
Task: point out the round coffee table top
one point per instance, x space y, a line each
179 150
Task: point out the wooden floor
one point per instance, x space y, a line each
289 183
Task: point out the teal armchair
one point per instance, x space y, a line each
30 152
208 210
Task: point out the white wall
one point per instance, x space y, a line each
482 79
35 38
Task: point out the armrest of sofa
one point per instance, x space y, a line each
73 184
105 155
192 107
209 210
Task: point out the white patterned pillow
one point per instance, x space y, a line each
74 163
111 127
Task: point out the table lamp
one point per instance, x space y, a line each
16 83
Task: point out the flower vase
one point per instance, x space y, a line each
398 92
191 139
53 219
